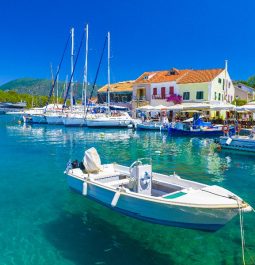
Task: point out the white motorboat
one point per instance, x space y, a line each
138 192
121 119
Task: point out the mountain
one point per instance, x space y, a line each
36 86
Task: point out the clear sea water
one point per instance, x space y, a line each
43 222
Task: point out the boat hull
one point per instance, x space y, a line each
151 127
155 212
108 123
240 144
54 120
208 133
74 122
34 119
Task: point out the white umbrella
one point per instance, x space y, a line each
146 108
175 107
160 107
222 106
196 106
247 107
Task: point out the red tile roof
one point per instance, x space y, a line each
199 76
180 76
160 76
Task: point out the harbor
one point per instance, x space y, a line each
127 133
69 227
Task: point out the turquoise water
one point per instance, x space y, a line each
43 222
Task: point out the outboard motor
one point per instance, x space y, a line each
141 177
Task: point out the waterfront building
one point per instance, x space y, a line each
120 93
174 86
244 92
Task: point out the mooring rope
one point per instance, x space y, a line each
241 220
241 230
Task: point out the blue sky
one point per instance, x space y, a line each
145 36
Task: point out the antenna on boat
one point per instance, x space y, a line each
109 80
85 79
72 66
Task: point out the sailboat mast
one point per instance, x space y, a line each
108 89
72 64
57 83
85 80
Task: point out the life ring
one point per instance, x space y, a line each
238 128
225 128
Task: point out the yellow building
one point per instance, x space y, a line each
166 87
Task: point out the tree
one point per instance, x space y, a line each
251 81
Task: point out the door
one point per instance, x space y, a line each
163 92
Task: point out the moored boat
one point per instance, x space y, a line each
197 127
238 142
138 192
157 126
110 120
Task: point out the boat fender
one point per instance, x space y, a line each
115 199
225 129
85 188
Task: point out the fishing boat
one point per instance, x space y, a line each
197 127
138 192
238 142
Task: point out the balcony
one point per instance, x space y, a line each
159 97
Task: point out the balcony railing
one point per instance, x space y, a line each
158 97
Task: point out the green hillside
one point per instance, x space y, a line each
36 86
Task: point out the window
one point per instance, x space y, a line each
223 83
219 96
215 95
171 90
154 91
185 95
219 80
146 77
228 84
222 97
200 95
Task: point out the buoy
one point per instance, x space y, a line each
115 199
19 122
84 188
158 152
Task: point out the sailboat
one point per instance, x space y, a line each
56 117
79 118
138 192
117 119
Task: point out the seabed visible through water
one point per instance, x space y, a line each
43 222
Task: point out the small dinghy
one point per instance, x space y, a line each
138 192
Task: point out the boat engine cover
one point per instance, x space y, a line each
143 173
